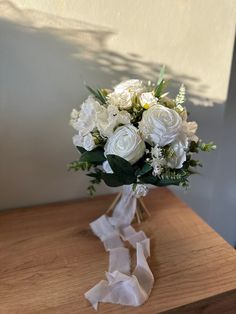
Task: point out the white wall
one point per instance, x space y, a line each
223 203
49 48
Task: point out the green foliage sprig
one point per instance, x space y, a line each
158 90
98 94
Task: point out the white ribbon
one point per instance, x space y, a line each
121 285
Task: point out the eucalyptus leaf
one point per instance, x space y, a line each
166 182
93 175
120 166
111 179
145 169
149 179
81 149
95 156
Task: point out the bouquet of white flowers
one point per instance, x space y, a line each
132 136
135 134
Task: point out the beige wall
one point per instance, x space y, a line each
48 49
194 38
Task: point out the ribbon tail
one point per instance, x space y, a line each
122 286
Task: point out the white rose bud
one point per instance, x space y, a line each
147 100
88 142
126 143
85 141
160 125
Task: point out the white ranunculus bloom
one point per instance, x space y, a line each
131 86
126 143
86 121
160 125
109 118
179 147
147 100
121 100
106 167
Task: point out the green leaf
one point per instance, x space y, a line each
161 75
160 83
93 175
149 179
111 179
166 182
101 96
159 88
81 149
122 169
193 147
145 169
95 156
97 94
78 165
206 147
120 166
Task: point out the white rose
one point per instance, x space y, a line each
147 100
121 100
86 121
179 147
106 167
109 118
160 125
126 143
131 86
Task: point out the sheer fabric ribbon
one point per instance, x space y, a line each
122 285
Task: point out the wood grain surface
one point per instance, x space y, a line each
49 258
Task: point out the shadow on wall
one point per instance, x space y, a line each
83 46
43 70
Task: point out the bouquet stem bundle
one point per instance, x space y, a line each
141 208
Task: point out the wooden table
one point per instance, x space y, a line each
49 258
